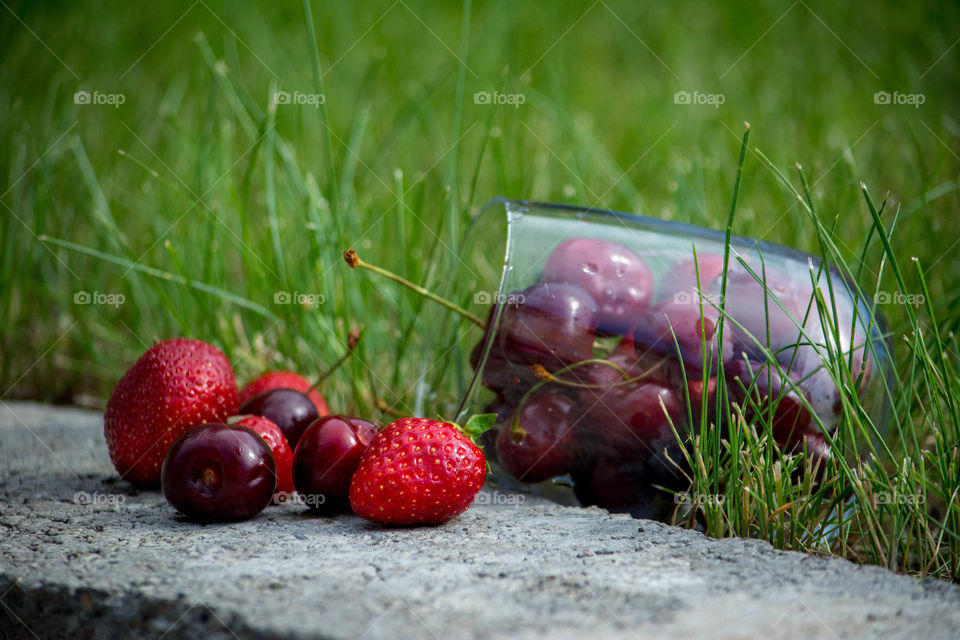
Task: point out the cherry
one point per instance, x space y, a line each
488 439
282 453
326 457
681 277
629 420
544 445
290 410
691 325
793 425
807 358
548 323
820 454
807 365
616 277
499 375
632 365
622 485
755 308
218 473
695 388
791 420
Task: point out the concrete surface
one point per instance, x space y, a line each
83 555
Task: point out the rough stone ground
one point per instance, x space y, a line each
124 565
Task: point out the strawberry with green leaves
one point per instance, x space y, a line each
420 471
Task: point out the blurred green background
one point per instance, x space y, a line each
231 202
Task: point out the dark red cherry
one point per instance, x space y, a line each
506 378
542 444
617 278
326 457
699 400
548 323
503 409
691 325
763 394
290 410
282 453
681 278
629 420
218 473
621 485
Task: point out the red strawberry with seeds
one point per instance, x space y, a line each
284 380
419 471
176 385
282 454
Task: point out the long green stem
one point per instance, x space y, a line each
352 259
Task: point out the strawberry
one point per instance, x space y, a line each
419 471
284 380
176 385
282 454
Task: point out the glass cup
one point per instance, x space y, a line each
607 335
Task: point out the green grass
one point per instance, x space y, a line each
199 202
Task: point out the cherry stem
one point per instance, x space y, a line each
546 378
352 339
383 407
352 259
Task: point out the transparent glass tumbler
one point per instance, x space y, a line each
607 335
